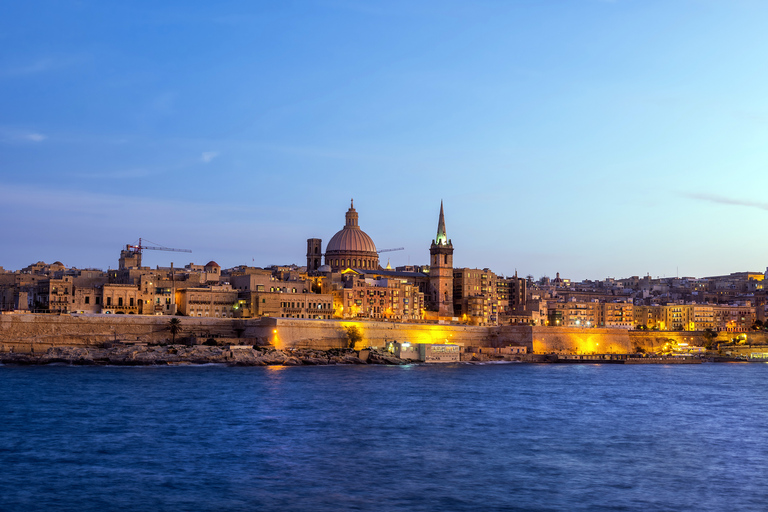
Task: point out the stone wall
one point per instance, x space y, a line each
573 340
28 332
324 334
31 332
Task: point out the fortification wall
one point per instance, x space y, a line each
37 333
325 334
30 332
564 340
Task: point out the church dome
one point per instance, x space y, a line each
351 239
351 247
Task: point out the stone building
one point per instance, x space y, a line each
475 298
389 298
573 314
121 299
617 315
216 301
287 305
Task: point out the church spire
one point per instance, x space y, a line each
442 238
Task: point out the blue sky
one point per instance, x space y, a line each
593 138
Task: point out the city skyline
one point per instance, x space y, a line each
596 139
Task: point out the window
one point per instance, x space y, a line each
87 300
120 301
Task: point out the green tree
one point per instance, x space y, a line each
353 335
709 338
174 325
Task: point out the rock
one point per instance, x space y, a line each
384 358
353 360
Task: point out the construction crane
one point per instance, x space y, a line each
392 250
136 249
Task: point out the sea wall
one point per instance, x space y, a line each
324 334
571 340
36 333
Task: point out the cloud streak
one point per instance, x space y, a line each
15 135
39 66
208 156
711 198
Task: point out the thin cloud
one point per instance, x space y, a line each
35 137
43 65
710 198
15 135
115 175
208 156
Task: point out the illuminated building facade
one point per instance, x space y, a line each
475 296
217 301
389 298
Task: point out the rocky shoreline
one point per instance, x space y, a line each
180 355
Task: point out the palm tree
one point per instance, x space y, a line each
174 325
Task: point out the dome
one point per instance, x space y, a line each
351 239
351 247
212 264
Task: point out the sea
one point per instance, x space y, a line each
463 437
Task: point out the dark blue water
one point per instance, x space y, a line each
494 437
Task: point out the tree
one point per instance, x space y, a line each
709 338
353 335
174 325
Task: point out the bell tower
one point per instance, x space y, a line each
314 253
441 270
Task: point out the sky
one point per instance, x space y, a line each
593 138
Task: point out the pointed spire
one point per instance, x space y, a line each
442 238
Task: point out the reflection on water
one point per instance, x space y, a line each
457 437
